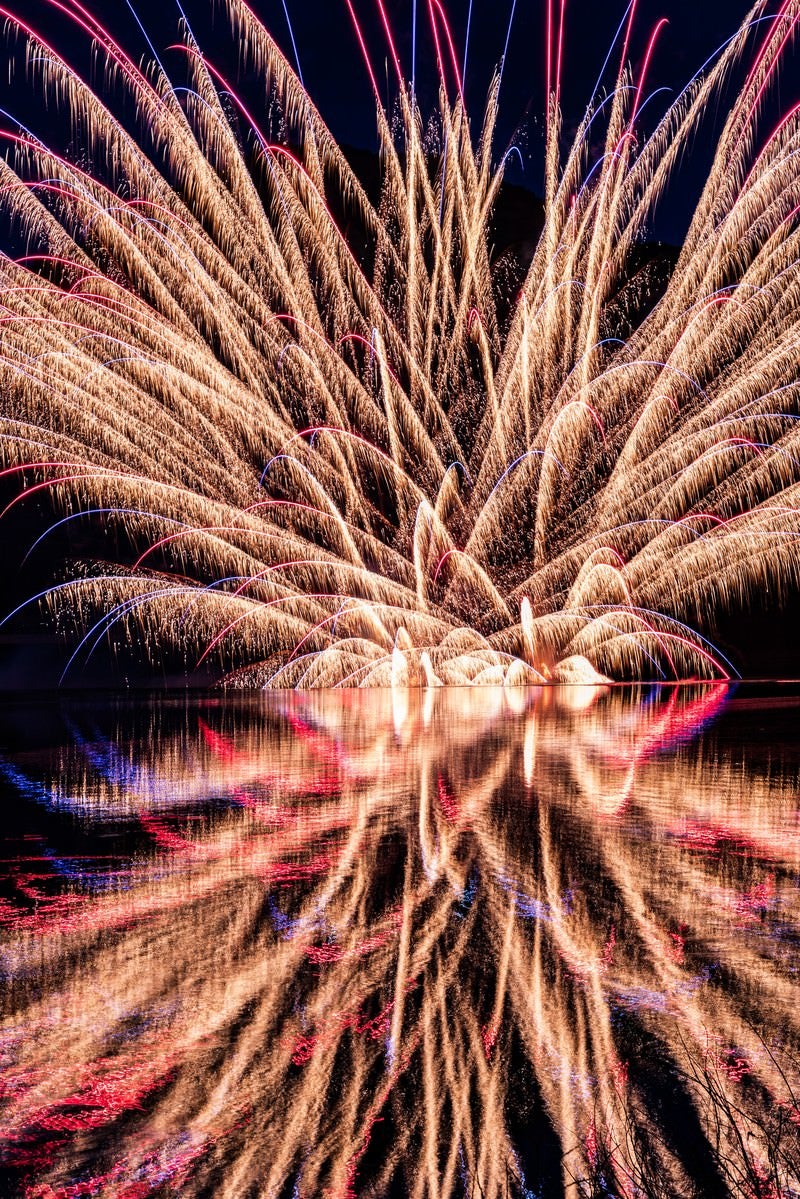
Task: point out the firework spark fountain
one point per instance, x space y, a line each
307 440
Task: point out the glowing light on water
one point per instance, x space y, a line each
407 941
249 385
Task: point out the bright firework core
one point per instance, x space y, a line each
307 439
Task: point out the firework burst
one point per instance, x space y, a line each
309 441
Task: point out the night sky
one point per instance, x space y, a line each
334 72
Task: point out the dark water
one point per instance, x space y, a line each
445 944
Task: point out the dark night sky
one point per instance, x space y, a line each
335 75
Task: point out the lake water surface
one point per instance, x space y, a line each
444 943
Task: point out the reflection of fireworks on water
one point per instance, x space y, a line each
535 952
326 463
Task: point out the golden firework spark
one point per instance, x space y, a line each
331 459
